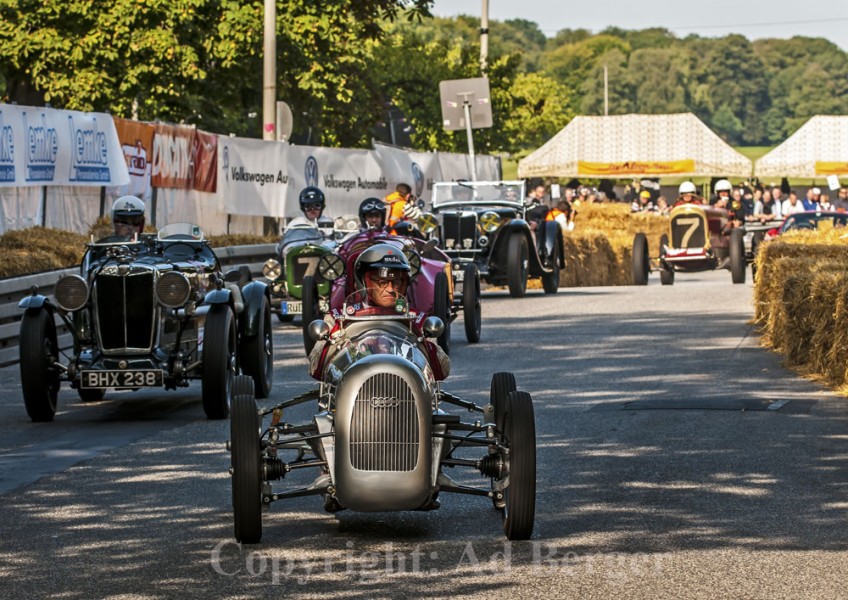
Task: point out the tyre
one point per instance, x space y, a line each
550 281
738 265
257 353
502 385
471 307
246 463
516 266
91 395
441 308
667 273
641 260
38 354
219 362
311 310
520 494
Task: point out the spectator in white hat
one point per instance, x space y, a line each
811 202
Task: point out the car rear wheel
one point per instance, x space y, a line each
641 264
516 267
550 281
441 308
219 362
311 310
471 306
738 265
520 493
38 353
667 273
257 353
246 463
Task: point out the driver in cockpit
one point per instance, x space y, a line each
128 216
381 275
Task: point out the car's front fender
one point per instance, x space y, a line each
252 294
222 296
34 302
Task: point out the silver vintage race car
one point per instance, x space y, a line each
379 438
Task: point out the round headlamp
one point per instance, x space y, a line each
71 292
173 289
490 221
427 223
331 267
272 269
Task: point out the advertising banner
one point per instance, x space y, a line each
629 168
172 146
204 161
824 167
137 144
46 146
253 176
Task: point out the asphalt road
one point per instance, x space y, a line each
676 459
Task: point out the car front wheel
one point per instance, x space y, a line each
520 500
471 305
441 308
550 281
246 463
738 264
641 264
516 268
38 355
311 310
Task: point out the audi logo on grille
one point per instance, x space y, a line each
384 402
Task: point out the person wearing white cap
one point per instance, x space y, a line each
811 202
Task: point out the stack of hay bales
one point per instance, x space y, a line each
801 301
599 250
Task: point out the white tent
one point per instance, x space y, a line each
622 146
819 148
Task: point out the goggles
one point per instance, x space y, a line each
307 207
373 207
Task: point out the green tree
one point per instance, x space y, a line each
727 124
660 80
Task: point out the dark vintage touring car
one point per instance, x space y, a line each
152 311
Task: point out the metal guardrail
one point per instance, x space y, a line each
14 289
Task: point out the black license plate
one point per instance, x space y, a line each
121 379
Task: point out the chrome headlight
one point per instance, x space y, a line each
173 289
331 267
272 269
71 292
427 223
490 221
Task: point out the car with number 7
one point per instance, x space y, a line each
699 238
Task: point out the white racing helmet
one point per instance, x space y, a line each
687 187
723 185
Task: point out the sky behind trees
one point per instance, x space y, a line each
754 19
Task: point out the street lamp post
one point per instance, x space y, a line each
269 71
484 37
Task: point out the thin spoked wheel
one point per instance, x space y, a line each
503 384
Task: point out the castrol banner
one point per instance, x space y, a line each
46 146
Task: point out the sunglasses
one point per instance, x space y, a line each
311 207
127 223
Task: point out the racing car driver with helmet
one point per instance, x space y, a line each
128 216
372 214
312 204
722 191
381 276
688 194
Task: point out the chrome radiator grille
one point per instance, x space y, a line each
125 309
384 428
